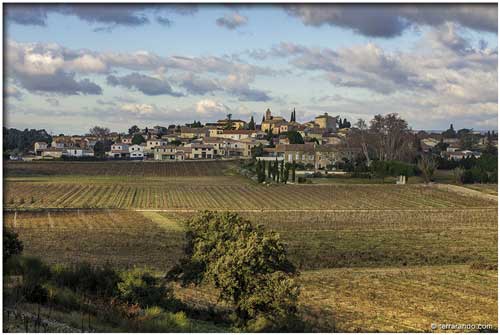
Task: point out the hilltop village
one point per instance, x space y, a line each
318 142
322 143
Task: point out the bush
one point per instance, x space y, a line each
33 270
303 180
34 292
85 277
66 298
11 244
156 320
138 286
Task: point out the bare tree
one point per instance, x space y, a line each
427 165
392 139
358 137
99 132
458 174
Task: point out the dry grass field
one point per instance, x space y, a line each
372 257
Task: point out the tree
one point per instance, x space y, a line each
17 141
286 173
276 176
294 166
261 171
133 130
458 175
11 244
257 151
139 286
99 132
360 137
229 124
251 124
138 139
392 139
346 124
101 147
427 166
379 168
269 135
246 263
294 137
282 170
269 169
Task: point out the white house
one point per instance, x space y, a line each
39 147
136 151
119 150
78 152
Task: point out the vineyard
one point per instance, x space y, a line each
122 238
403 299
226 193
368 238
379 257
125 168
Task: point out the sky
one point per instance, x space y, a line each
70 67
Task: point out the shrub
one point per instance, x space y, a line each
33 270
66 298
138 286
34 292
156 320
86 277
11 244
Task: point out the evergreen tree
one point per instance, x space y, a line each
269 169
282 170
346 123
251 124
138 139
294 166
261 175
286 173
277 171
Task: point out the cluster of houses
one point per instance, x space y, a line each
226 138
229 138
453 149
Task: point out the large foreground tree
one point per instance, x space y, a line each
247 265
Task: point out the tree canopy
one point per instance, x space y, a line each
247 265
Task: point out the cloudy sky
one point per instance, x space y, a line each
71 67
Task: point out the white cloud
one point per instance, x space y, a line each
208 106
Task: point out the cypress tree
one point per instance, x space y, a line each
269 169
293 171
251 124
282 170
287 173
